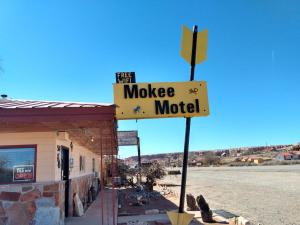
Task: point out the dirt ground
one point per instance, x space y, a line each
156 202
269 195
163 200
164 203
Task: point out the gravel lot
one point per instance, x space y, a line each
269 195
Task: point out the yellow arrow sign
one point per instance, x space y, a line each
187 44
180 218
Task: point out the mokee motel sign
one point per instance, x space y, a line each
161 100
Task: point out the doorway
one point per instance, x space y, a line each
65 176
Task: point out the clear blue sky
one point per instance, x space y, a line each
70 50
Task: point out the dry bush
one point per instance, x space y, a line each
211 159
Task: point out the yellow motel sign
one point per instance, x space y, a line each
161 100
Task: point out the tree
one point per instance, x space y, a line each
124 171
6 172
211 159
152 173
3 162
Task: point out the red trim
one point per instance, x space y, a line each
35 160
102 187
113 190
57 114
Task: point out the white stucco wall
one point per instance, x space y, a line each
75 154
47 142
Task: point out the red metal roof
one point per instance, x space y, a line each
71 117
16 104
46 111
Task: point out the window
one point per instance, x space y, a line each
17 164
82 163
94 166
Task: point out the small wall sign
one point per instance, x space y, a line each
23 173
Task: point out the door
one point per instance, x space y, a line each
65 176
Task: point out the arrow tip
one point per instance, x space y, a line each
180 218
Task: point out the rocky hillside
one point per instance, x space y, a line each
175 159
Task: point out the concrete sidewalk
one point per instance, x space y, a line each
93 216
164 219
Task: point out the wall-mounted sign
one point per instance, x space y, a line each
161 100
125 77
126 138
23 173
71 163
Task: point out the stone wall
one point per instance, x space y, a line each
24 204
82 186
35 203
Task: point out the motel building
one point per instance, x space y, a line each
50 153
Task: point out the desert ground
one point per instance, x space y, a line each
267 195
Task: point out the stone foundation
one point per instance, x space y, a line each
35 203
25 204
82 186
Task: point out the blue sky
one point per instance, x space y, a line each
70 50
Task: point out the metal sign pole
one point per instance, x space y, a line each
139 161
187 129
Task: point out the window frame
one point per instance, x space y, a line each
19 147
94 165
82 163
